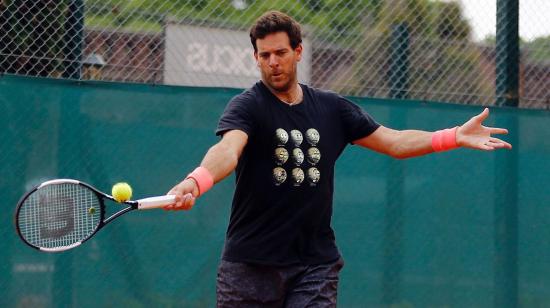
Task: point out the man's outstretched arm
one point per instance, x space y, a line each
220 160
411 143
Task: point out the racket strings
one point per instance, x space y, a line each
59 215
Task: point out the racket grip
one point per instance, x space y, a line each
155 202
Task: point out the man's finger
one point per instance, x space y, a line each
500 143
168 207
483 115
176 200
188 201
496 130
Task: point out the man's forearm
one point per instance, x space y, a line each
220 160
412 143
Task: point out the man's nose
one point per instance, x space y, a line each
273 61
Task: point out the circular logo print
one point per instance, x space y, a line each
281 136
297 176
297 156
313 175
313 155
279 175
312 136
281 156
296 137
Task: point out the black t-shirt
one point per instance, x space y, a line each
282 206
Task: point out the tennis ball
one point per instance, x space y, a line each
122 192
91 210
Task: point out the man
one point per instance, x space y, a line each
280 249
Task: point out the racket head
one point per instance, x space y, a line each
59 215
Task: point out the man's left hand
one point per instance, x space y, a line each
474 135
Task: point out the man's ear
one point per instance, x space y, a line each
298 50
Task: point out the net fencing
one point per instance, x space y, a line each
415 49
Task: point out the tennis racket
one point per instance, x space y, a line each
61 214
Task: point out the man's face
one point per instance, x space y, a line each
277 60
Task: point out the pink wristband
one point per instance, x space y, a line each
203 178
443 140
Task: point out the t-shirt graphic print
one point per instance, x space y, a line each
294 168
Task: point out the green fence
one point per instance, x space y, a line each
457 229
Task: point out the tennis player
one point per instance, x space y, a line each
283 139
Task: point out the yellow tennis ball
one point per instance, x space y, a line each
122 192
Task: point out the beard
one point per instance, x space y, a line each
284 81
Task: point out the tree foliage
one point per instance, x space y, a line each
537 50
329 15
441 58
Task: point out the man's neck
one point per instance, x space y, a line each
291 97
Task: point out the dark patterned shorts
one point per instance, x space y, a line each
250 285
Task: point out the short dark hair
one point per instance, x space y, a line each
275 21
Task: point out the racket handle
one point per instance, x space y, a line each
155 202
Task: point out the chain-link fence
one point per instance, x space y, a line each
354 47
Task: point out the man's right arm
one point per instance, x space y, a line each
220 160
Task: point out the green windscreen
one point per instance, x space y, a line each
454 229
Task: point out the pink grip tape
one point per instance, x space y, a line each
443 140
204 179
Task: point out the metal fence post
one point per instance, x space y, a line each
506 190
74 39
